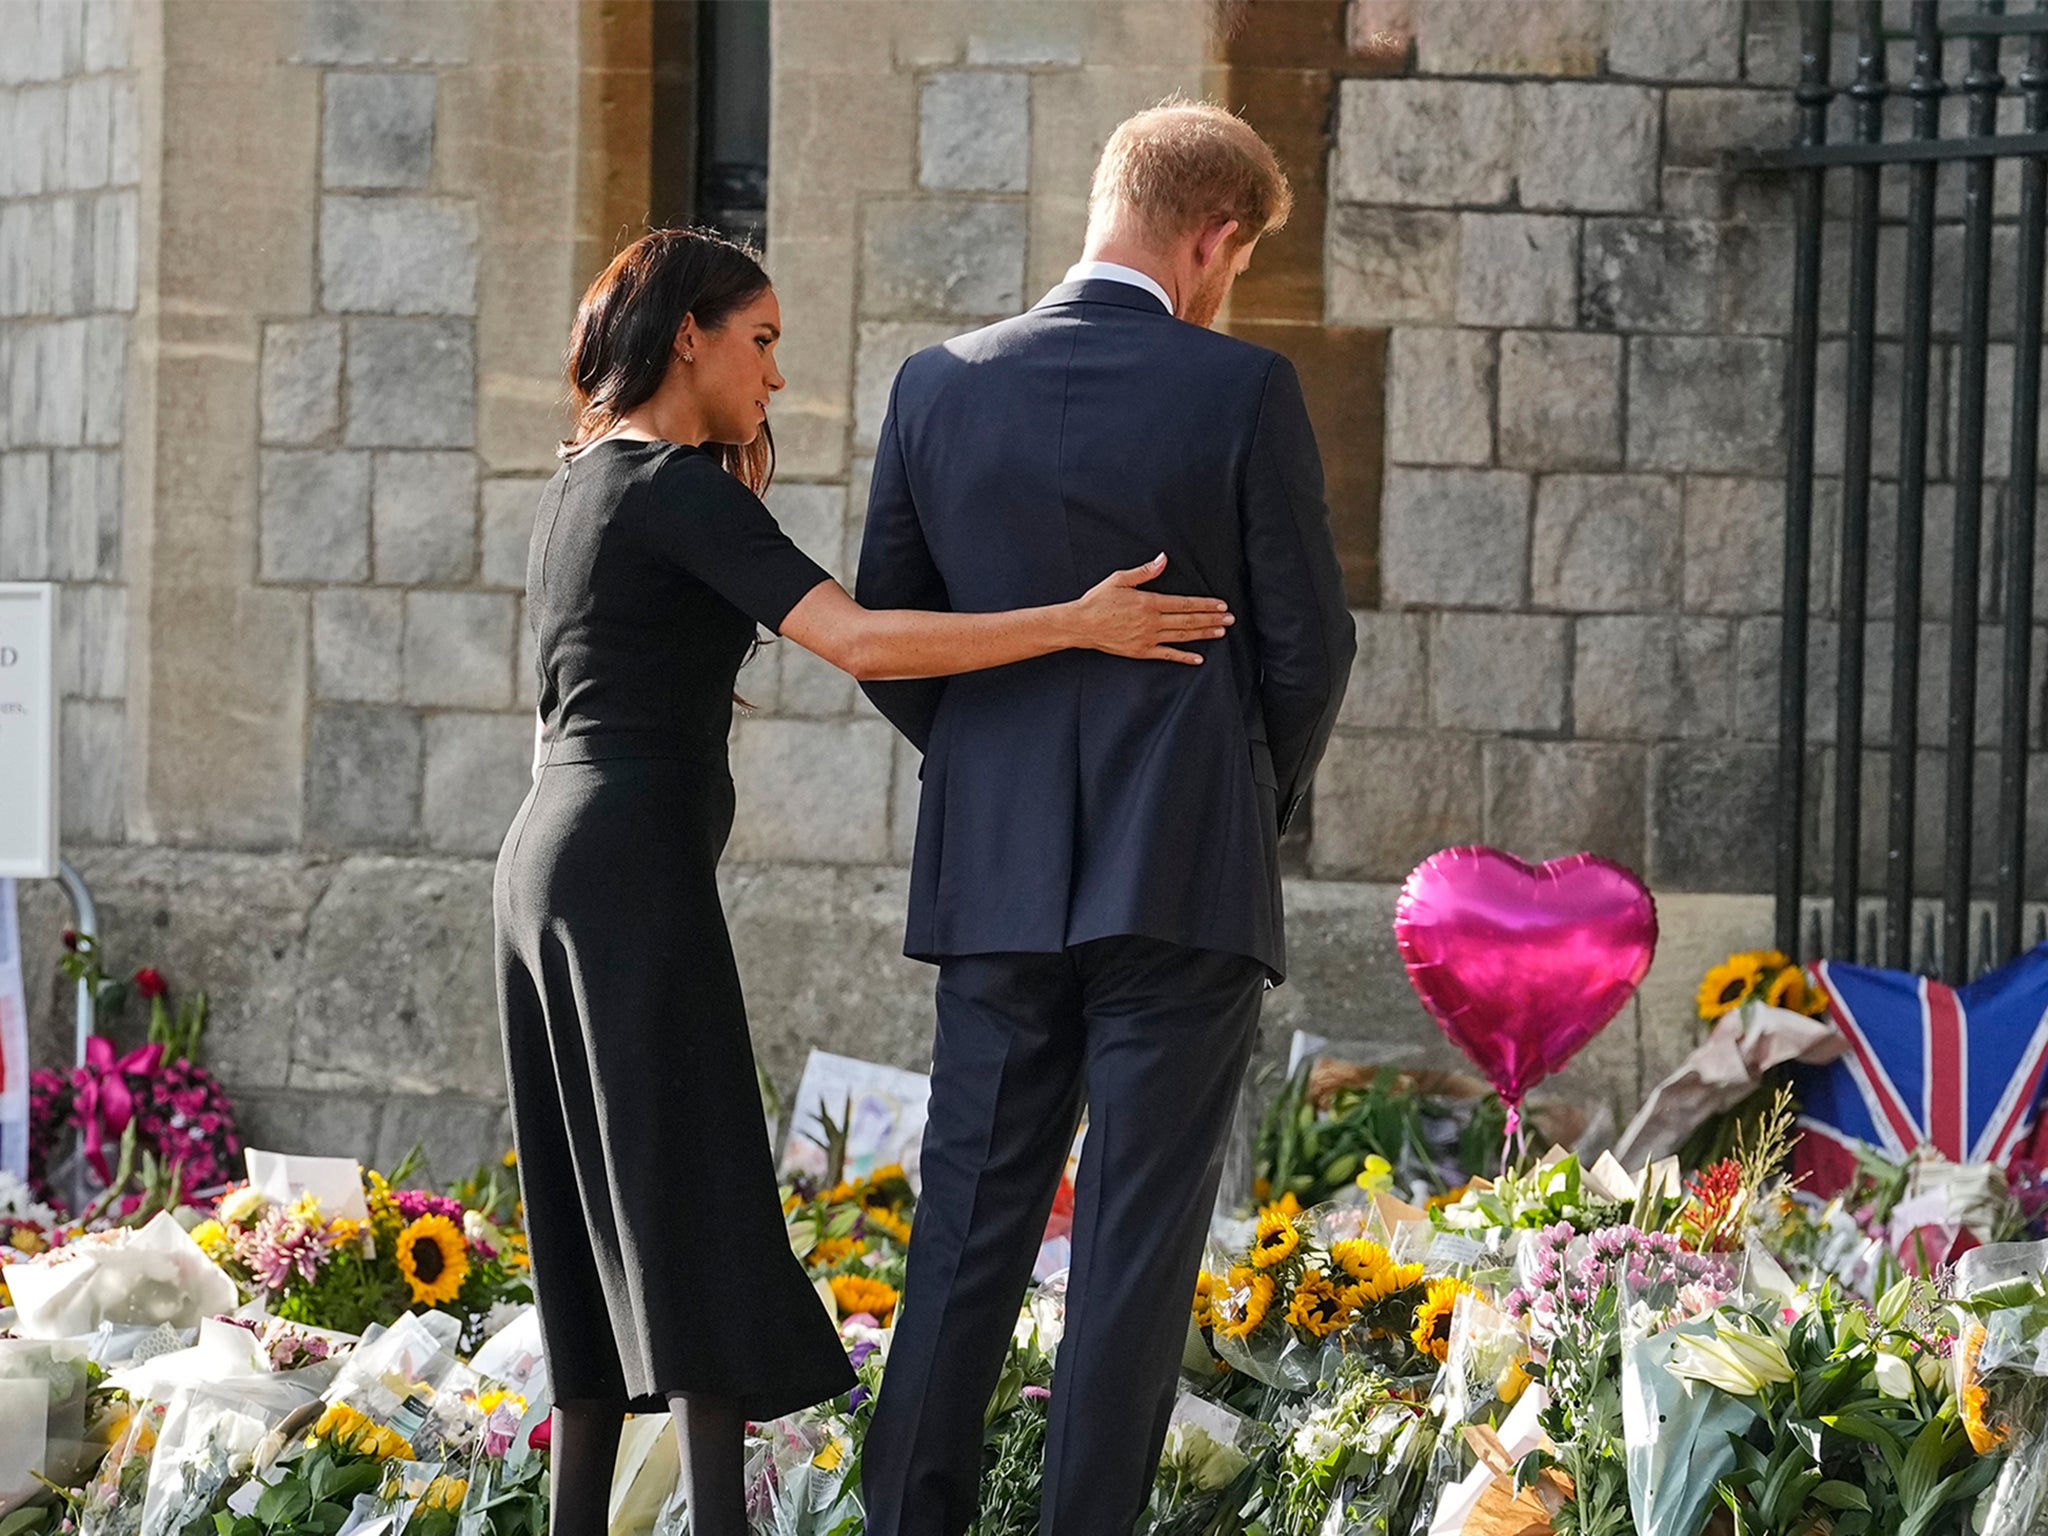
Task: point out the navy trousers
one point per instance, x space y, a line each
1154 1038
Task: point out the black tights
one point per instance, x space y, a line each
710 1435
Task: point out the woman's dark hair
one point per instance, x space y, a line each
626 328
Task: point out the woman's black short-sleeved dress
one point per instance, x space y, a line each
660 1259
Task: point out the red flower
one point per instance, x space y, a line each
149 981
543 1436
71 939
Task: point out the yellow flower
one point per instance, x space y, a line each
347 1429
1377 1177
1288 1204
445 1493
240 1207
835 1250
213 1240
1514 1381
1729 985
1787 990
490 1402
830 1454
1974 1398
1432 1333
434 1259
344 1231
857 1293
1276 1240
28 1240
307 1209
1205 1299
888 1223
511 1158
1317 1309
1262 1189
1242 1306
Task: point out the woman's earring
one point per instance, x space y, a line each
689 357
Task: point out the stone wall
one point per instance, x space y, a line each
360 228
70 169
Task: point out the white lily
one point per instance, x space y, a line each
1894 1376
1734 1360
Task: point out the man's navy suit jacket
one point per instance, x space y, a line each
1081 795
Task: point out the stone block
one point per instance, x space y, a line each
455 1136
958 256
25 553
398 255
1528 37
1384 803
54 358
509 508
1455 537
974 132
363 777
411 384
1660 40
92 770
883 347
1713 816
1440 397
1652 275
358 635
814 516
315 515
1517 269
377 130
1734 544
1702 127
1686 192
1498 672
301 381
459 649
423 516
105 347
92 641
808 685
1389 673
382 32
113 260
1606 543
478 769
88 131
124 149
1558 124
1654 678
85 514
1392 266
811 791
401 982
109 26
1548 798
1706 403
311 1124
1560 400
1434 143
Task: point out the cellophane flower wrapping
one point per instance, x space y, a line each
212 1438
2001 1378
46 1418
409 1377
147 1278
111 1504
1209 1455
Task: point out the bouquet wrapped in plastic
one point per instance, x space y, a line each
151 1277
1209 1456
213 1438
2001 1366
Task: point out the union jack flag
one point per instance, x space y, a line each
1957 1069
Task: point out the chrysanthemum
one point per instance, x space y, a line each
283 1245
1317 1309
1432 1333
1276 1240
1243 1302
1729 985
434 1258
856 1294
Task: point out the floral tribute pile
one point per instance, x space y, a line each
1569 1345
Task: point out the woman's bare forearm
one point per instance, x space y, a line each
891 643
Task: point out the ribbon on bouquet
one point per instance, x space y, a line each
106 1104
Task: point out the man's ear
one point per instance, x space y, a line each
1212 240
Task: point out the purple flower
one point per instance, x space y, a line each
414 1203
860 1352
282 1245
1037 1394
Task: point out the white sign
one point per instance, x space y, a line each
14 1066
28 730
883 1108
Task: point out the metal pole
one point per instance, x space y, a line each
85 920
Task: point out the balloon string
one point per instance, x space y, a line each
1511 1138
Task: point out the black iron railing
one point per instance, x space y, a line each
1839 924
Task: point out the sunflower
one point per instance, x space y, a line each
1363 1262
434 1258
1432 1333
1242 1305
888 1223
1787 990
856 1294
1205 1298
1288 1204
835 1250
1318 1309
1276 1240
1729 985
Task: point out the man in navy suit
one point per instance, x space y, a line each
1096 871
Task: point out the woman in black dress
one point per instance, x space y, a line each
664 1274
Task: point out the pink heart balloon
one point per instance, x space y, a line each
1523 964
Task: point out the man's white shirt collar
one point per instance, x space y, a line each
1116 272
